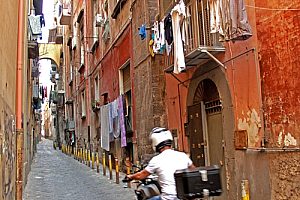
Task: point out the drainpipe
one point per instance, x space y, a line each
87 71
19 85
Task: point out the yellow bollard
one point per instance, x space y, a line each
117 171
93 160
110 166
80 152
85 157
75 153
89 158
104 164
97 162
245 190
128 171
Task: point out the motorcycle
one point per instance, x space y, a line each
146 188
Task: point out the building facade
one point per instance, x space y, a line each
19 100
214 89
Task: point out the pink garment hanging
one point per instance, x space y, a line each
122 121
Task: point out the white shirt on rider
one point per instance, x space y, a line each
164 166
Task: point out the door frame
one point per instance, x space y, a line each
218 76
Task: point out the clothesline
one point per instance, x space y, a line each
274 9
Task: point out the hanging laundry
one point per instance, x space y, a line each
229 19
110 119
142 32
241 29
45 91
104 127
42 20
178 16
168 29
150 47
115 115
35 24
122 121
162 39
156 41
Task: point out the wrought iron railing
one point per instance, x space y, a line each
197 33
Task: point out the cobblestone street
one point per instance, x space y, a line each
57 176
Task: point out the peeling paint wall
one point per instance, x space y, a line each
8 55
278 35
8 151
252 124
278 28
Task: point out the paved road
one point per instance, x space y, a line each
56 176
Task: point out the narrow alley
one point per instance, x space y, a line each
55 175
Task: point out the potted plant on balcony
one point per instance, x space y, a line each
96 105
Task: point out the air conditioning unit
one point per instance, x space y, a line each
99 20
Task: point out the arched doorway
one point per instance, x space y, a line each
206 128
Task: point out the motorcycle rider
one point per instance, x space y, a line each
164 164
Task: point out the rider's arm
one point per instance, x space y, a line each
192 166
139 175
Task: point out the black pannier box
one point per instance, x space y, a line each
198 182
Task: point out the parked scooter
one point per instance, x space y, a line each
146 188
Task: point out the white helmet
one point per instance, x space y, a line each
160 137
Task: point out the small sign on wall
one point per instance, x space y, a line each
241 139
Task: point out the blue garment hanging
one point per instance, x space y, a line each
142 32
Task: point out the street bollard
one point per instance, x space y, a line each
93 160
97 162
76 153
83 155
86 157
245 190
89 158
79 154
128 171
117 171
103 164
110 166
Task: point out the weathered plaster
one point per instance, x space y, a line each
252 124
287 140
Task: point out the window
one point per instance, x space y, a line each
125 88
106 27
71 73
83 105
95 28
82 47
96 83
75 36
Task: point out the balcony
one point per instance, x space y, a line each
33 49
96 105
56 35
70 125
66 12
201 46
54 97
